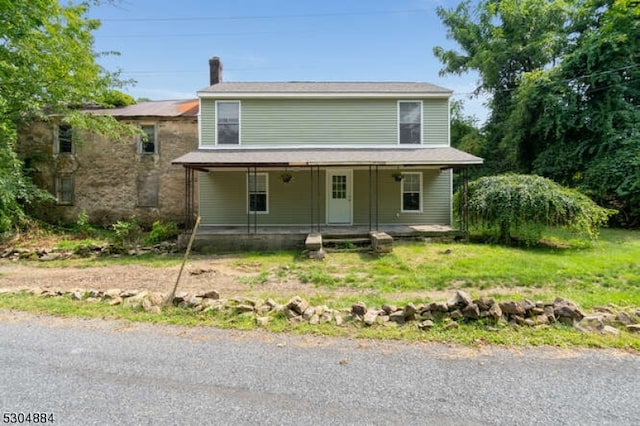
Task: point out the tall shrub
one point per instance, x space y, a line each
506 204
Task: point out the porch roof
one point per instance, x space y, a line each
272 157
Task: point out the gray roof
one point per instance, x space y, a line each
171 108
326 88
280 157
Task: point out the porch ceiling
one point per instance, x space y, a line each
296 157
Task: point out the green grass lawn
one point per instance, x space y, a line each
605 272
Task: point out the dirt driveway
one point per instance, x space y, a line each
222 274
216 274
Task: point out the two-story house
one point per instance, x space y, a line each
315 156
111 180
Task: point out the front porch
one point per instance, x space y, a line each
218 239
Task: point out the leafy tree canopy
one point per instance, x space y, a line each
564 81
47 66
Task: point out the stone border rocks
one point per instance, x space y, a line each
85 251
460 308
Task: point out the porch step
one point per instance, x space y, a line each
346 241
381 242
313 242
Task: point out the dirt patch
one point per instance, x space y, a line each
222 274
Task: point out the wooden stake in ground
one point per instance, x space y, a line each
169 298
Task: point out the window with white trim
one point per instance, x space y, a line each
258 192
64 139
64 189
228 122
412 192
410 122
148 144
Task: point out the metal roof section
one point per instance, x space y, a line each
324 89
214 158
169 108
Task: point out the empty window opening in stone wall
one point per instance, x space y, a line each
148 188
148 144
64 142
64 189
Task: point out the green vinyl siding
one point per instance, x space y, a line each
208 122
435 120
436 198
223 199
318 122
348 122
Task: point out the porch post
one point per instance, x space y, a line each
377 197
319 203
248 202
370 196
464 202
188 197
311 196
255 210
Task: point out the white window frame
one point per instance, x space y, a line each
402 192
56 138
59 191
266 192
239 122
421 121
140 143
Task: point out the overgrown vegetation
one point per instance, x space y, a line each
562 78
124 234
161 231
525 205
48 66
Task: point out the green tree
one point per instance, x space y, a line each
581 118
465 133
564 81
502 40
510 203
47 66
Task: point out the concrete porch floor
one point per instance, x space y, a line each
240 238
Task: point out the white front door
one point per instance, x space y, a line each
339 197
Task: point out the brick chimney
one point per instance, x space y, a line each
215 71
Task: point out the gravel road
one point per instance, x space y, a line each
109 372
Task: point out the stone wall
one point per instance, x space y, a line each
460 308
111 181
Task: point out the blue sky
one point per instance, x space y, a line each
165 45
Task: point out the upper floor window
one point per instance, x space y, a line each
148 143
228 122
258 189
410 122
64 139
412 192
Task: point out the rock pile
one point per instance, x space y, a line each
460 308
88 250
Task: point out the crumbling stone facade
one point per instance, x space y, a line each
113 180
